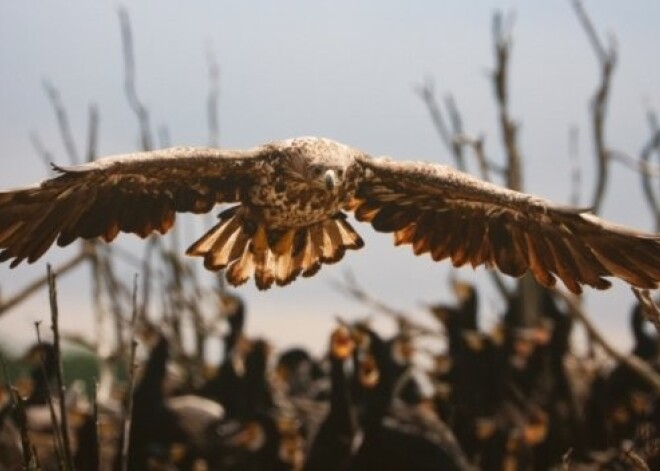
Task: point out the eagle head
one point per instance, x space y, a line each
320 163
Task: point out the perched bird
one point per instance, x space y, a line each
289 219
334 442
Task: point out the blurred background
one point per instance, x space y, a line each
351 71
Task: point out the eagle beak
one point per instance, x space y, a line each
330 180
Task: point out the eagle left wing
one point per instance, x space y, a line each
138 193
448 213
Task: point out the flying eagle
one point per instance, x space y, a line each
290 214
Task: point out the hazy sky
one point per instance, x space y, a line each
340 69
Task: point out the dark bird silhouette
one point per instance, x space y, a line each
223 386
333 443
289 219
301 374
647 345
397 436
154 428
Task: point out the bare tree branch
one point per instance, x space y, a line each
44 155
128 411
62 122
426 93
650 194
59 375
607 59
641 368
129 81
12 301
638 165
502 38
57 432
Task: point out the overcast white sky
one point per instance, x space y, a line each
340 69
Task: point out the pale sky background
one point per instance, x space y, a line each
340 69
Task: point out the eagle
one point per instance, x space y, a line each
287 214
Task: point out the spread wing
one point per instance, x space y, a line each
450 214
138 193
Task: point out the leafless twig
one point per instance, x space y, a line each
640 367
7 304
129 81
126 435
477 146
62 122
607 58
640 166
502 38
426 93
54 316
44 155
57 432
649 193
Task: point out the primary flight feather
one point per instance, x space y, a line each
289 214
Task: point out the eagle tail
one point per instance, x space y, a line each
273 255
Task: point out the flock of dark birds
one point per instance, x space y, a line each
511 399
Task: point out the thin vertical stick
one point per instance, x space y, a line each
129 81
57 433
126 436
62 122
54 312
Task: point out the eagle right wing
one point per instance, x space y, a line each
137 193
450 214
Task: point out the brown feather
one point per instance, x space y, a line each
241 269
283 257
588 266
424 229
312 259
367 211
350 238
333 248
263 259
221 243
618 265
228 222
541 271
393 217
472 247
566 268
507 256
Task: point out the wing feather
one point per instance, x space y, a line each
450 214
136 193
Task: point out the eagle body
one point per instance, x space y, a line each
293 186
287 215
